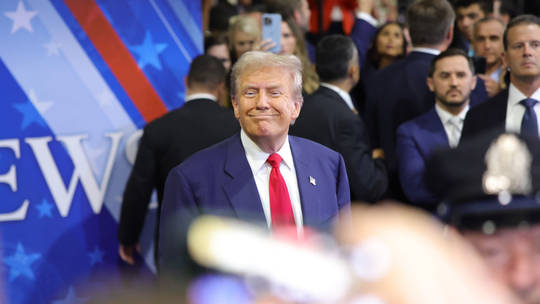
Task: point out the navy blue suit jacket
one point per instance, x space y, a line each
362 34
417 140
400 93
218 180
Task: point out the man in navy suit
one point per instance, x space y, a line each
401 93
510 109
235 177
451 79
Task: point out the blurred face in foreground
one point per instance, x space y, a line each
513 256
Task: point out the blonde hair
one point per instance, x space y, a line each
244 24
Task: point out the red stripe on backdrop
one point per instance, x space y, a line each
118 58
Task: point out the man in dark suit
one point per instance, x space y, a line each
328 117
515 109
451 78
401 92
170 139
260 174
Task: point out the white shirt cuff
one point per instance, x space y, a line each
367 17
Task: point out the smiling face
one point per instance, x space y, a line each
452 83
390 41
265 106
522 55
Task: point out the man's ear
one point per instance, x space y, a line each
234 103
354 72
297 107
429 82
504 59
449 36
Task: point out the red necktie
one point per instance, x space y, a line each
280 203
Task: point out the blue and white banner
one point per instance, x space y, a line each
78 79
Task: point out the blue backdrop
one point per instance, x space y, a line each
78 79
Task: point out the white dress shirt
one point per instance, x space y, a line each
515 111
200 96
453 124
426 50
261 172
344 95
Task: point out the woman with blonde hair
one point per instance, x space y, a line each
244 35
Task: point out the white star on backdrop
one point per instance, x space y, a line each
52 48
21 18
41 105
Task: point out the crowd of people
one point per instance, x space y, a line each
366 101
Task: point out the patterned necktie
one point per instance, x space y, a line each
280 203
529 123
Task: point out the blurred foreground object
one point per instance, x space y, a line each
408 259
496 205
302 270
424 262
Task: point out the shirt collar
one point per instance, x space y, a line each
446 116
258 157
426 50
200 96
344 95
515 95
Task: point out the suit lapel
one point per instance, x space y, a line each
436 130
241 190
308 178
